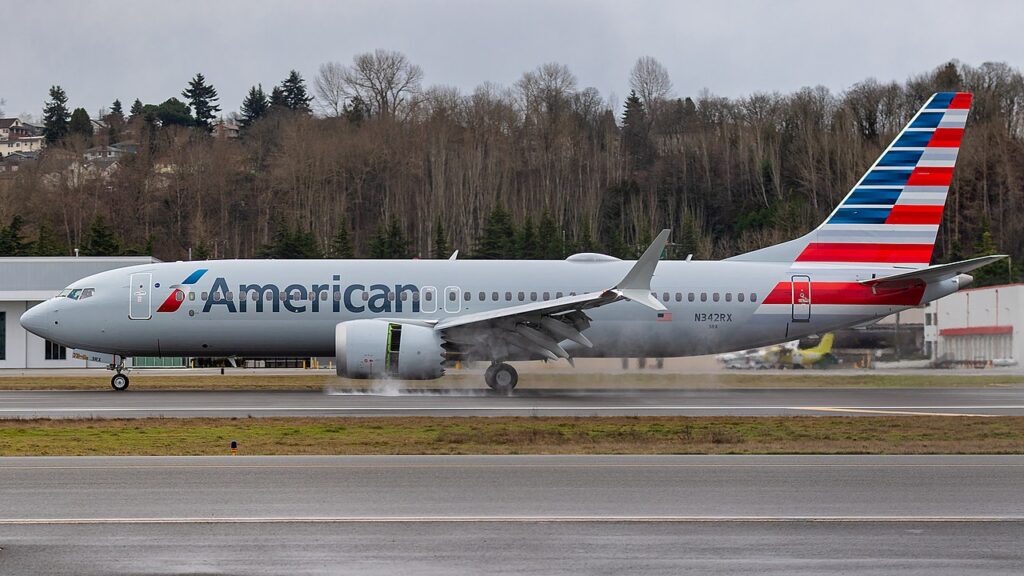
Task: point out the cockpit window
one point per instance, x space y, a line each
75 293
64 293
87 293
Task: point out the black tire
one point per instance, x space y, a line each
502 378
119 382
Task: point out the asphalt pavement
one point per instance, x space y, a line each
512 515
440 402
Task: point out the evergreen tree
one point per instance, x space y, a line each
526 241
47 243
295 95
995 273
12 242
355 110
254 106
56 116
389 242
635 133
341 244
80 123
171 112
100 240
202 98
497 239
117 110
201 251
277 99
136 109
442 249
585 239
549 239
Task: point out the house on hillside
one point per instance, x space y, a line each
16 136
110 153
226 129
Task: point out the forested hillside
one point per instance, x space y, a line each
379 165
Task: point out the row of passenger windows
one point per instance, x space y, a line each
483 296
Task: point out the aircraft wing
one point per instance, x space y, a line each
539 327
931 273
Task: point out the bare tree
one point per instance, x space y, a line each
329 86
650 80
546 87
385 80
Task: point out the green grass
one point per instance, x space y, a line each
537 380
512 435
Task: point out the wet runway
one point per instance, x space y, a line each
512 514
691 402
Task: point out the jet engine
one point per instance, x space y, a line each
382 349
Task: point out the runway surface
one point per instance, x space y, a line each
509 514
718 402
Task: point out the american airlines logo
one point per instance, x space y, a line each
297 298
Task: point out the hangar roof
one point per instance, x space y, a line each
21 276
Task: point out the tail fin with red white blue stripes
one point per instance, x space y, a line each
892 215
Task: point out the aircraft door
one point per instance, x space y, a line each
141 293
452 299
801 298
428 300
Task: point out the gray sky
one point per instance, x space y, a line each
102 50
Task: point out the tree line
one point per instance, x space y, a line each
369 161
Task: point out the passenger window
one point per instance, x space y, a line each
270 296
508 296
558 295
192 296
690 297
428 296
664 296
323 296
231 295
467 296
703 296
715 296
679 296
494 296
405 296
522 296
728 296
739 296
391 296
753 296
178 295
533 296
572 293
255 296
547 295
416 296
284 296
483 296
366 296
451 296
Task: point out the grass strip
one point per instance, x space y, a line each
528 380
516 435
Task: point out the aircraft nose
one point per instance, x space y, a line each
37 319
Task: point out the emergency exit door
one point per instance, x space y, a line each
141 294
801 298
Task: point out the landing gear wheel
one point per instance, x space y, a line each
502 378
119 382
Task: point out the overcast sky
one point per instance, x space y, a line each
102 50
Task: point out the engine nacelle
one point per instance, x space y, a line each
381 349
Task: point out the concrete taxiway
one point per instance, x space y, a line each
509 514
712 402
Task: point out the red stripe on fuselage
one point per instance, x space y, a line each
172 303
914 214
853 252
852 293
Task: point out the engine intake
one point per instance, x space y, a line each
381 349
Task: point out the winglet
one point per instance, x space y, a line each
636 285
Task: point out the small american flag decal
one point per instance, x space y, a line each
664 316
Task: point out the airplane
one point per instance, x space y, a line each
788 355
409 319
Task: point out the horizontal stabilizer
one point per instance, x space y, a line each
932 273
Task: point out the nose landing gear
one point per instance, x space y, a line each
501 377
119 381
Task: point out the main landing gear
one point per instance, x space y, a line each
501 377
120 380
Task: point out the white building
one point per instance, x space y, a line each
24 282
977 325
